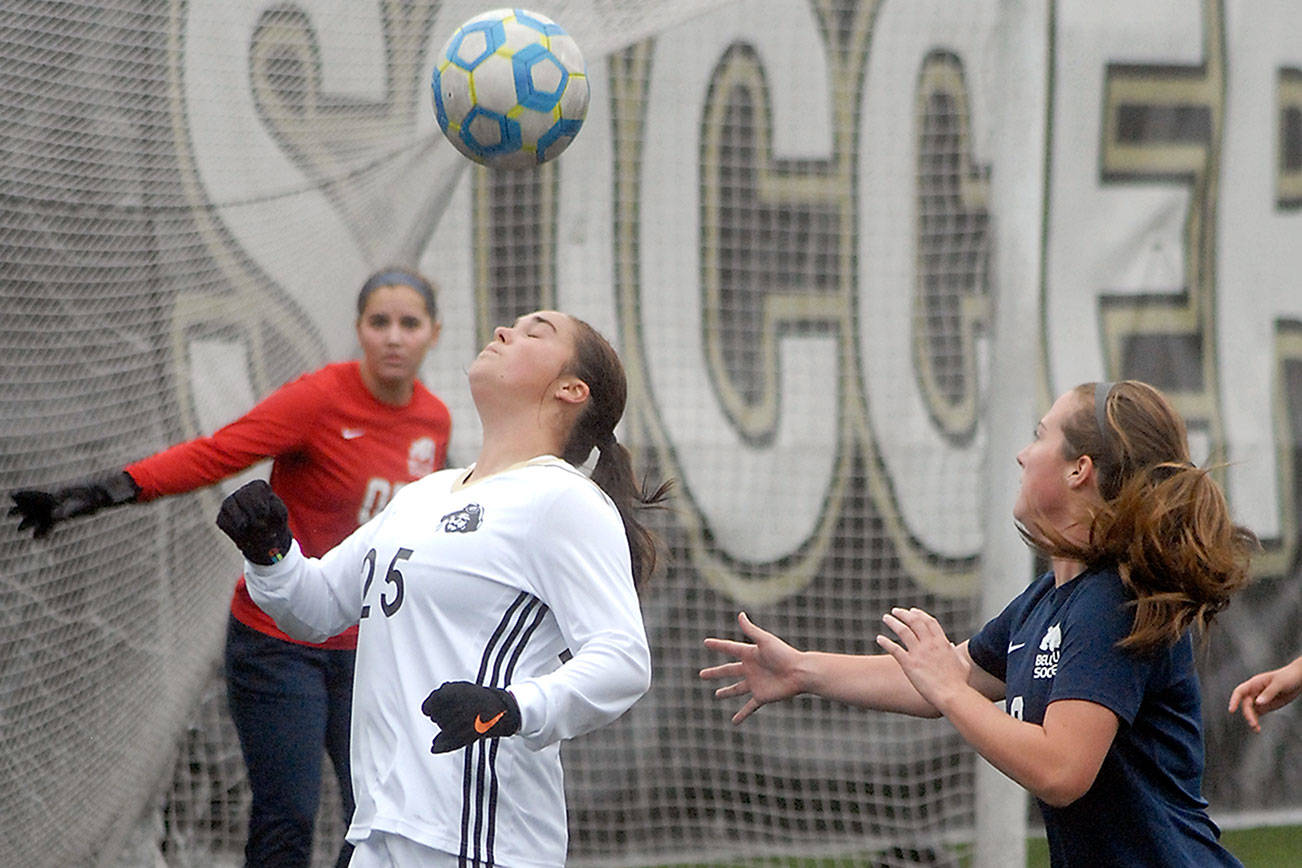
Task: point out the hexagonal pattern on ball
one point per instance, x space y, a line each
510 89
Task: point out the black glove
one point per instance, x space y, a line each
255 517
42 508
468 712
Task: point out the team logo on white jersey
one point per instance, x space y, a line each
1046 662
420 457
464 520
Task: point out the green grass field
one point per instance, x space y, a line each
1264 847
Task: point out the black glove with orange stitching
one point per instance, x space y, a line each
467 712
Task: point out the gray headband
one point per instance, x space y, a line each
1101 392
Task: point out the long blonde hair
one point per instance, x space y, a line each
1163 521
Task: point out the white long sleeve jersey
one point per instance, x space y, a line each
492 582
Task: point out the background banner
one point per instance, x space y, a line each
849 251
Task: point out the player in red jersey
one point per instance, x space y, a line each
342 440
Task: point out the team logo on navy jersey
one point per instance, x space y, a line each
1046 661
464 520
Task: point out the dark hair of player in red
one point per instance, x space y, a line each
398 276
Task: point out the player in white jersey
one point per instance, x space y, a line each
497 601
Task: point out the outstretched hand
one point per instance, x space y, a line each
925 654
766 668
37 510
1267 691
40 509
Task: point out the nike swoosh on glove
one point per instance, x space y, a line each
468 712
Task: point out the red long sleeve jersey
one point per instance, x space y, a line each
338 456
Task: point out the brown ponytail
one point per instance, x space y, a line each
596 363
1164 522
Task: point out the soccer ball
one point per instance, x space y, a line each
510 89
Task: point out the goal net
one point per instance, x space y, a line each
782 213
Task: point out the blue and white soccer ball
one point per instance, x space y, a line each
510 89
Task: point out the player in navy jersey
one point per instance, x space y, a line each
342 439
1094 660
497 604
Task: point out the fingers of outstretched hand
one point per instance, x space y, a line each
915 626
749 628
749 656
1268 697
1250 715
1259 694
36 509
920 622
729 646
900 627
889 646
746 711
1245 693
1245 699
732 669
739 688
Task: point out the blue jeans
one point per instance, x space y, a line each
287 701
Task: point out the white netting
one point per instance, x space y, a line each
779 211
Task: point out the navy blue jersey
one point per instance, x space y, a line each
1145 808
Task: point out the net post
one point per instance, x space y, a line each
1020 63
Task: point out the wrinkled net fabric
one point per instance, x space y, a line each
190 194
